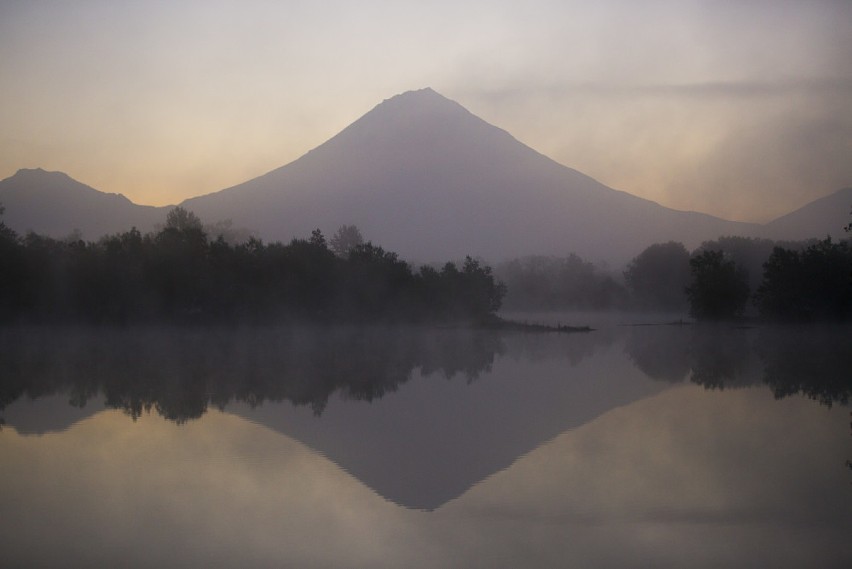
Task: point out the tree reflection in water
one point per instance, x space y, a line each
179 372
814 362
811 361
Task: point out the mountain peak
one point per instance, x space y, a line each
424 94
420 102
414 122
39 174
55 204
51 182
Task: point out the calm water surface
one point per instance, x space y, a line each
627 446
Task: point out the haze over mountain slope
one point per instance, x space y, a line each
422 176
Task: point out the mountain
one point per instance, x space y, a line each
54 204
422 176
825 216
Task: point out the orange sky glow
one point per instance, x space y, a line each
741 110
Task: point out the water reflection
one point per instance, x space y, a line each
222 492
688 478
603 449
815 363
419 446
180 372
685 478
431 441
811 361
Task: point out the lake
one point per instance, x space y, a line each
628 446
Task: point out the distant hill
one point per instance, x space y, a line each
421 176
54 204
822 217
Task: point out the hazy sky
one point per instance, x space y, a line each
742 109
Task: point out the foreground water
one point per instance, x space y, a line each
627 446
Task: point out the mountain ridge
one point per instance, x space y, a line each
833 211
55 204
421 175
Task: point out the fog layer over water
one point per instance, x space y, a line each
626 446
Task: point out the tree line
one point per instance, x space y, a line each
726 278
723 279
181 274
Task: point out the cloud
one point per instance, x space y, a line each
748 150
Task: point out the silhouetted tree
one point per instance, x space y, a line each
471 292
346 238
307 273
718 289
45 281
658 276
182 219
376 283
746 252
814 284
12 271
179 267
318 239
482 294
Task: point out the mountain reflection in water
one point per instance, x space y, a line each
298 447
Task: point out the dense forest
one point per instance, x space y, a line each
180 274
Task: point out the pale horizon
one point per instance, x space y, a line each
743 112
